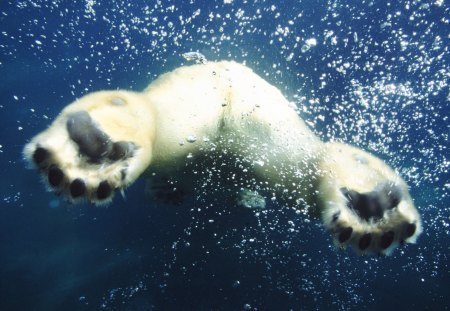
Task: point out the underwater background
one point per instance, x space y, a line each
371 73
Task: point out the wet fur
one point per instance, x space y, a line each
106 140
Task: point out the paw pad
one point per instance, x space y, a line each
374 221
345 234
55 176
92 142
40 156
104 190
372 205
77 188
364 241
81 161
410 229
386 239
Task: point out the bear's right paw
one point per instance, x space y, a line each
365 204
79 159
375 221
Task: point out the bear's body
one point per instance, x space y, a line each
106 140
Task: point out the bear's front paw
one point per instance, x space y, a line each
364 203
375 221
81 159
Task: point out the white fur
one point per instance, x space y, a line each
224 107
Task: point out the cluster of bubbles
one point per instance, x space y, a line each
371 73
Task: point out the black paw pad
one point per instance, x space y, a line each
345 234
92 141
40 156
104 190
410 229
121 150
55 176
372 205
386 239
364 241
77 188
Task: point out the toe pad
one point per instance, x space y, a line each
55 176
77 188
104 190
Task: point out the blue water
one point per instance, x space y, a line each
377 78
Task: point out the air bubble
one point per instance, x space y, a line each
309 43
191 139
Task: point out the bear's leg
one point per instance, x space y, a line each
98 144
364 203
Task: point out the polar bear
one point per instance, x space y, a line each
209 112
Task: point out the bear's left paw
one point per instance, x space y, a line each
375 221
79 160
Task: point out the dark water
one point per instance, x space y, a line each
378 78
